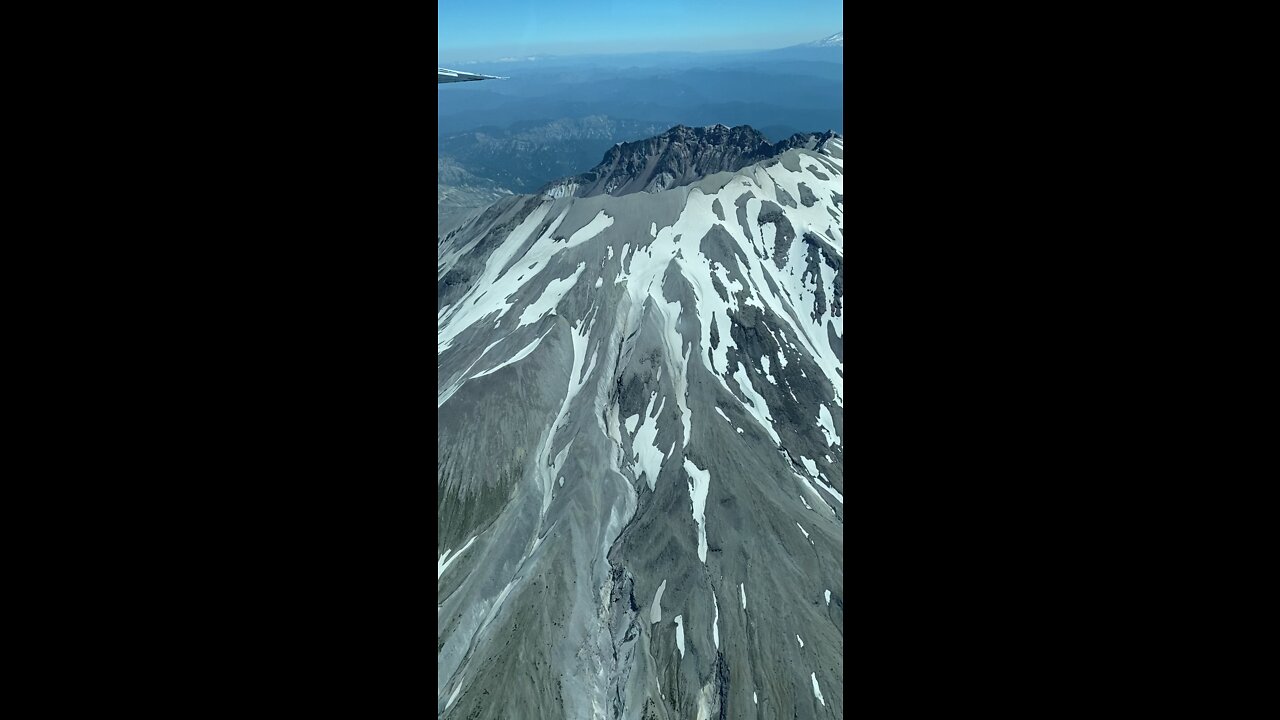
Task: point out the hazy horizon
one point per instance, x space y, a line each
523 28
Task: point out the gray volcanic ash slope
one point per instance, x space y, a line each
641 448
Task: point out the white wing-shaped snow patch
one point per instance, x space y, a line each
715 624
753 698
648 457
726 417
809 465
742 588
680 635
800 640
756 405
806 532
590 230
631 423
522 354
827 593
817 692
828 425
655 610
699 484
827 486
454 695
550 298
445 561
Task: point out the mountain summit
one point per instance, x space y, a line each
679 156
836 40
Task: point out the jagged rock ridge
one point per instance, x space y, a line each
677 157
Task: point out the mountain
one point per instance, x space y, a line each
836 40
641 441
459 193
829 49
677 157
528 154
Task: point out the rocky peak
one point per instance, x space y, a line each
679 156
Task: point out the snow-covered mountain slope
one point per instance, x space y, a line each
831 41
641 449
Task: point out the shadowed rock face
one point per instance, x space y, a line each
679 156
641 443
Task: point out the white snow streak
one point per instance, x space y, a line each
520 355
680 635
655 610
648 457
742 588
817 692
828 425
827 593
453 695
445 561
699 485
756 405
715 624
550 297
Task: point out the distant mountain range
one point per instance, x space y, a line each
526 155
836 40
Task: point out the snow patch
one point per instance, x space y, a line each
817 692
699 485
809 465
631 423
827 593
648 457
453 695
806 532
756 404
524 352
550 298
445 561
827 422
715 624
655 610
742 588
680 636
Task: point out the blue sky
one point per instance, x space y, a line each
490 29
